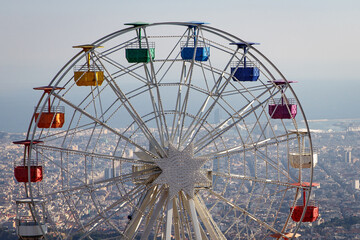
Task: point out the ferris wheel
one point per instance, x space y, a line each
171 130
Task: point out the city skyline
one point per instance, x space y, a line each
310 42
337 196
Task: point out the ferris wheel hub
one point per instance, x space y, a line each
181 171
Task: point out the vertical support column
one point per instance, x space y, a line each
206 218
245 51
88 60
194 219
169 216
139 37
135 222
194 38
49 101
304 197
176 219
154 215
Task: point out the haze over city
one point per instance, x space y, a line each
312 42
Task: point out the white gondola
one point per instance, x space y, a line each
26 226
303 156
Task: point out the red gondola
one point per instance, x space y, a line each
21 170
311 211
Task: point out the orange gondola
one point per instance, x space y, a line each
50 117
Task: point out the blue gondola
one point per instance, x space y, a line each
188 48
243 70
202 52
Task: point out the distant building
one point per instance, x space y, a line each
348 156
354 128
357 184
109 173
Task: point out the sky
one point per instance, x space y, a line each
314 42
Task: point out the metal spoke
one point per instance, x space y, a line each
155 215
206 140
217 89
249 147
138 215
96 221
257 179
254 218
92 187
104 125
135 116
163 129
92 154
206 218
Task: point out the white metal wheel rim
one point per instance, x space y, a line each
58 80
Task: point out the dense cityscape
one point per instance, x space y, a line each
337 172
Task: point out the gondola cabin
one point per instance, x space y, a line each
282 108
49 116
188 50
193 48
311 213
140 51
21 173
302 157
28 227
89 74
21 168
244 70
311 210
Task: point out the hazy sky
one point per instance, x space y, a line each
314 42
